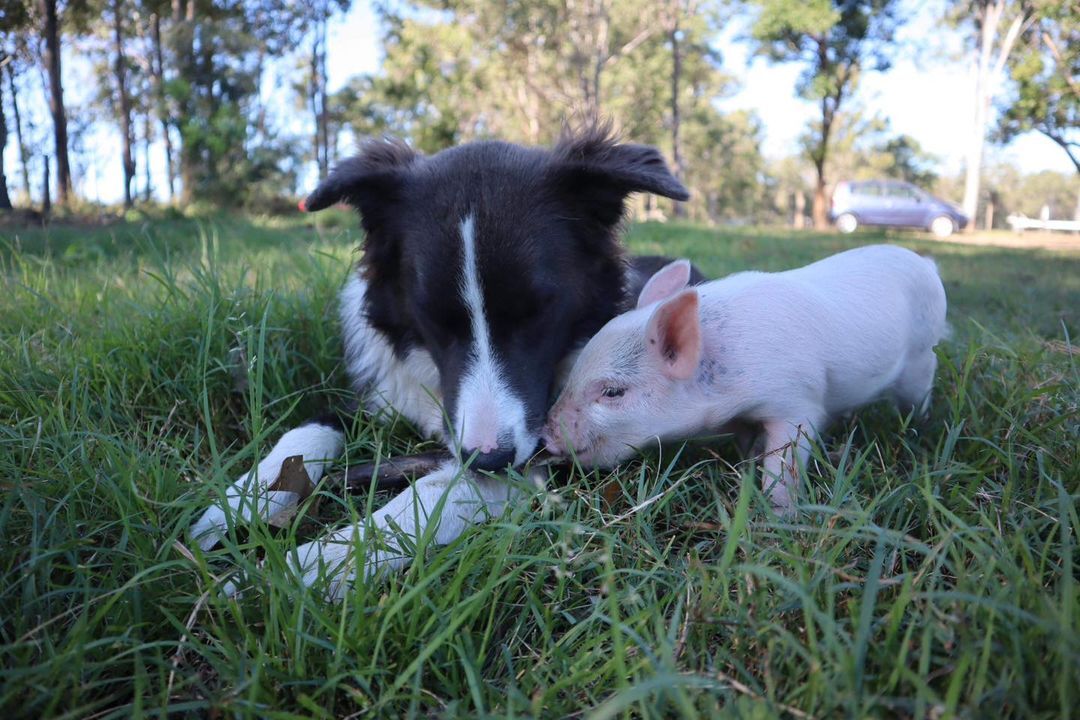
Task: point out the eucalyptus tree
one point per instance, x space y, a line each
15 17
836 41
214 57
1045 74
993 27
455 70
5 197
49 12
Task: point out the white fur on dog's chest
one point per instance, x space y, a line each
385 381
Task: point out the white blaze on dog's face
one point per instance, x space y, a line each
489 414
620 393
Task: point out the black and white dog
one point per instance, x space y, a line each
485 266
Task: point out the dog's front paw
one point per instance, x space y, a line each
249 496
330 559
274 488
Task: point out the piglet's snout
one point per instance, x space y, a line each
552 442
562 425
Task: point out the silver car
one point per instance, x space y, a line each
893 203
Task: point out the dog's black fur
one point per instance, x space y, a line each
548 256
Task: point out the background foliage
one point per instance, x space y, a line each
203 79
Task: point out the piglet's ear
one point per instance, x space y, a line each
673 335
667 281
599 172
368 182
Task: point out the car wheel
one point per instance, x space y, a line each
942 226
847 223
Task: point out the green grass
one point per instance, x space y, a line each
932 573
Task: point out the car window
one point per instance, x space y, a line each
904 192
869 189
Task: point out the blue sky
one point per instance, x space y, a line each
926 94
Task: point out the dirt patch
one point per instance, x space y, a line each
1065 242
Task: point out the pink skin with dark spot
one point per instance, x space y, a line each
641 373
783 352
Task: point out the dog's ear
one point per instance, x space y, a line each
369 182
597 170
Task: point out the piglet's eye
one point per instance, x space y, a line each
613 392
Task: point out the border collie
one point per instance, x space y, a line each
485 266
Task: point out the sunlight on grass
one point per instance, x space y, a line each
931 572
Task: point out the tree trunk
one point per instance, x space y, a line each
56 99
676 119
798 219
148 137
820 209
157 74
318 94
316 116
601 22
324 80
183 34
24 155
46 198
988 21
120 70
5 199
973 164
830 105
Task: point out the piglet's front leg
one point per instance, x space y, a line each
787 448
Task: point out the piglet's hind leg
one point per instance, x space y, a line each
912 388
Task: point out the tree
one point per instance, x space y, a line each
215 51
854 145
907 160
123 98
675 14
836 40
863 148
156 68
5 198
1044 71
786 183
318 95
518 71
51 38
1016 192
24 153
479 68
15 17
995 25
724 165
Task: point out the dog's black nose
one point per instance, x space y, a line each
497 459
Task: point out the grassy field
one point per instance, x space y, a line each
932 571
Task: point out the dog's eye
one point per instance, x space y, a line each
613 392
